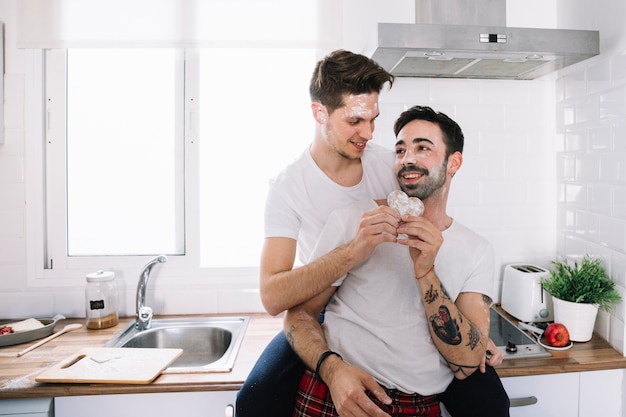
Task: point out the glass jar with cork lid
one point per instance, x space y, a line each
101 300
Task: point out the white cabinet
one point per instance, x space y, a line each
188 404
601 394
582 394
573 394
556 394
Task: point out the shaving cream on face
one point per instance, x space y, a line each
361 106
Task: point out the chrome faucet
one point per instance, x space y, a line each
144 313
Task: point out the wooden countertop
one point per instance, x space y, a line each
17 375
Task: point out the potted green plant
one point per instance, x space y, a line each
578 292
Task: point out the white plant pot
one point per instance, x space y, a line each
579 318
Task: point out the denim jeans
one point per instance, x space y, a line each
270 389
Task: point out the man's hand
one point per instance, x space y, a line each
494 358
424 241
376 226
348 386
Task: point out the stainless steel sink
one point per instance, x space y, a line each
210 344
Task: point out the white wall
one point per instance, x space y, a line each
591 151
506 189
12 161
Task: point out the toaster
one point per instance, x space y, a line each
522 294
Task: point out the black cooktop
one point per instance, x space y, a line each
513 341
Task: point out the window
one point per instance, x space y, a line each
254 120
152 151
124 142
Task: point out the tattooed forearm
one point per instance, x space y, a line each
445 327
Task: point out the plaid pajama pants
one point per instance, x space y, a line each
313 400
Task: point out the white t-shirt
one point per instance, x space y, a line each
376 318
301 197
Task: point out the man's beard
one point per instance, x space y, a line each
427 185
335 143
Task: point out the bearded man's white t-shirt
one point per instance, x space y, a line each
376 319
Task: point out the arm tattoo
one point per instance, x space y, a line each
473 336
457 368
431 295
445 327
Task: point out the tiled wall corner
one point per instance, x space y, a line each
591 174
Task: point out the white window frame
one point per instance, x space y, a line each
47 73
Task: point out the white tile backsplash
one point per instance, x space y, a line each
602 324
30 304
598 76
593 214
574 85
616 334
239 300
575 195
619 138
611 104
11 276
587 168
618 70
610 164
587 110
567 115
611 233
600 139
462 94
600 199
618 202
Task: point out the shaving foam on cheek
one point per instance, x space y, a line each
437 171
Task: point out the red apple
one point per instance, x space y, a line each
556 335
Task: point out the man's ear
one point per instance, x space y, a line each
320 113
454 163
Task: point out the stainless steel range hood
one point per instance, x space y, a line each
483 47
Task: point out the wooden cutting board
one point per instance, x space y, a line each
111 365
